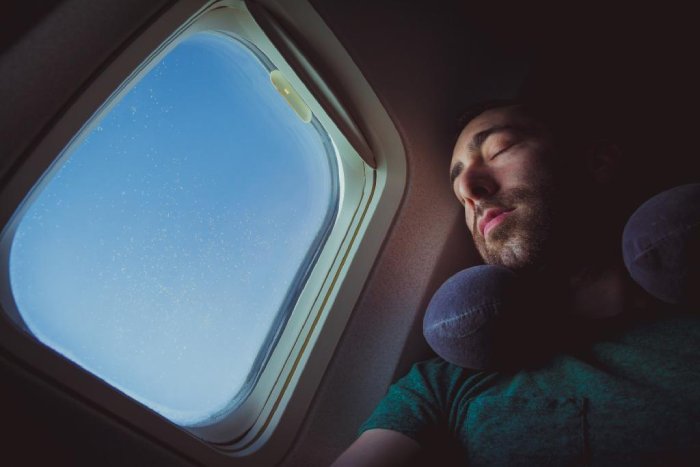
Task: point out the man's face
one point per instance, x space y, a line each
502 173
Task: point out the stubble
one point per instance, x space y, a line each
519 241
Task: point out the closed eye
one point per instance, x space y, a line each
501 151
500 142
502 145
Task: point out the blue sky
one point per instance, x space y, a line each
160 251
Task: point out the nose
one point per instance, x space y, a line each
476 182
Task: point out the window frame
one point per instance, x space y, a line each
314 326
355 181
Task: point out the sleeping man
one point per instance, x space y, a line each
616 381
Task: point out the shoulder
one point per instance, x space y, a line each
422 396
436 373
441 382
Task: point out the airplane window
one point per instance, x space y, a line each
166 247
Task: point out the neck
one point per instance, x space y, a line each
604 291
595 278
591 278
598 294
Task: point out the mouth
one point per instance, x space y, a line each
491 219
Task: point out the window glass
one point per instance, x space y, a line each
165 249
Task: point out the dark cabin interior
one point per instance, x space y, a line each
633 66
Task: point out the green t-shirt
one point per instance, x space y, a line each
630 397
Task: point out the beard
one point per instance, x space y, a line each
520 242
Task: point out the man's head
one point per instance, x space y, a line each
523 185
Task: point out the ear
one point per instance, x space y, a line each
604 160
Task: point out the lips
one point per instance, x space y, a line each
491 218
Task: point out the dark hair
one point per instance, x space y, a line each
569 121
474 110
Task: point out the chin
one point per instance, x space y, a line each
515 258
516 252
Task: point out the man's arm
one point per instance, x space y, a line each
379 447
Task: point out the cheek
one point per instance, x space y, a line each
526 172
529 156
472 228
469 219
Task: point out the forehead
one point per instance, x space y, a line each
501 116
